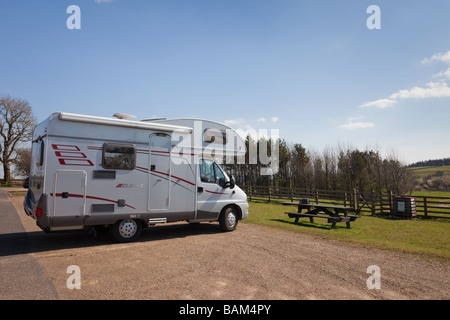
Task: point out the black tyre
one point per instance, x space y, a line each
126 230
228 219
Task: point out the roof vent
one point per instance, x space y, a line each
123 116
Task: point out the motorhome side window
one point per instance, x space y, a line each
119 156
41 150
210 172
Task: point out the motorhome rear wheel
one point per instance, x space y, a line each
126 230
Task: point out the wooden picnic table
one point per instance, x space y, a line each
334 214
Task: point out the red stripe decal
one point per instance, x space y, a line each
89 197
155 151
166 174
216 192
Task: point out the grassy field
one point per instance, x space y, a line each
431 194
421 172
426 237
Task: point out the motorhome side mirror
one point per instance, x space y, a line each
232 182
222 182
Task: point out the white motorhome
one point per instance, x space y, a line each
89 171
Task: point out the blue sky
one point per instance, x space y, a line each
311 69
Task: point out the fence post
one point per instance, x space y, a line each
355 200
380 202
269 193
391 204
372 200
425 207
345 199
250 189
317 196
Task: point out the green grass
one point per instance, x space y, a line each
425 237
18 193
3 185
431 194
421 172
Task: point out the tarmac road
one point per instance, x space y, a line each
21 275
181 261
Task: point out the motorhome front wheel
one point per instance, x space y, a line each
126 230
228 219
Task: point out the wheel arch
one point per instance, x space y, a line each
232 205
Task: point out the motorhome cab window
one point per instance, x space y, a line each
119 156
210 172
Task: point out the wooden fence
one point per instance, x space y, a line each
365 203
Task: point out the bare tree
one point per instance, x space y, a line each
16 125
397 177
22 163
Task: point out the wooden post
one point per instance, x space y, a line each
345 199
269 193
317 196
355 200
372 200
425 207
380 200
391 203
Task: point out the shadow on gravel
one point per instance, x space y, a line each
311 225
31 242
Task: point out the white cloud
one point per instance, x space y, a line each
261 119
357 125
436 89
275 119
445 74
380 103
441 57
433 90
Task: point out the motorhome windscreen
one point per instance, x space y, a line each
119 156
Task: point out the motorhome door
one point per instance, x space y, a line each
69 199
212 195
159 172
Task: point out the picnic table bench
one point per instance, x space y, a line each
333 214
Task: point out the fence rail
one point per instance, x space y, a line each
369 203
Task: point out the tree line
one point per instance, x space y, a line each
431 163
334 168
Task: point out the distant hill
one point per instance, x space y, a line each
431 163
431 178
430 171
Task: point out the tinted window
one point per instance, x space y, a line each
210 172
219 175
119 156
41 154
207 171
